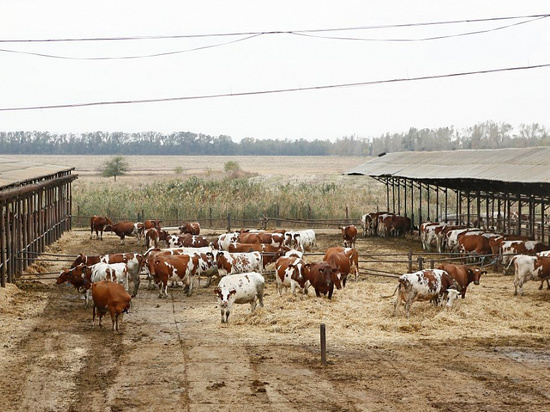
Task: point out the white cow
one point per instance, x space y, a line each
530 268
134 263
301 240
427 284
239 288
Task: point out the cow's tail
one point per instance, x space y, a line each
510 263
393 294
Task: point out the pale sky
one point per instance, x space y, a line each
271 62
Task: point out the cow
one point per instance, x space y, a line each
193 228
110 297
76 276
398 225
428 234
97 224
530 268
239 288
301 240
495 243
349 235
290 274
508 248
134 263
123 229
323 278
152 223
427 284
463 275
187 240
369 222
230 263
453 236
184 267
273 239
340 262
225 239
115 272
352 255
87 260
476 243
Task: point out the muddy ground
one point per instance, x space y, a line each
488 353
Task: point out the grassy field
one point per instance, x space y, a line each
275 186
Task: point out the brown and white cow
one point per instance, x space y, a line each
110 297
230 263
240 288
187 240
349 235
323 278
463 275
509 248
300 240
424 285
123 229
193 228
290 273
97 224
530 268
76 276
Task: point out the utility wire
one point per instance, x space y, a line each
297 33
264 92
130 57
447 36
387 26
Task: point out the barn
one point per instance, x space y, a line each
501 189
35 209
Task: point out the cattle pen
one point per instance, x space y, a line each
507 190
35 210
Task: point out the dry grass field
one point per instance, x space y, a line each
487 353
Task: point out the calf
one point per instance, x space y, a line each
463 275
427 284
349 235
110 297
323 278
530 268
240 288
97 224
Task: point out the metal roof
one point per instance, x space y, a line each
529 165
14 171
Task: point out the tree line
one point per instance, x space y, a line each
487 135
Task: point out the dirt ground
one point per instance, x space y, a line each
488 353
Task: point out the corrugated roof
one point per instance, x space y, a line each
529 165
13 171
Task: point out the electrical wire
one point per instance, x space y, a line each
157 37
265 92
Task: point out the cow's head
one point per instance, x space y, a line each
475 274
63 277
224 295
452 294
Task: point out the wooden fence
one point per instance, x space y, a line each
33 215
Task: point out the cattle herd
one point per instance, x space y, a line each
241 258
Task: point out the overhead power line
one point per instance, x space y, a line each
264 92
179 36
305 33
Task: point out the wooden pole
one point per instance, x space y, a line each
323 344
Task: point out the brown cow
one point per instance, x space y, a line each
475 243
153 235
399 225
98 224
352 255
323 278
123 229
463 275
193 228
340 262
110 297
349 235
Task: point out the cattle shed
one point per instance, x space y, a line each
507 190
35 209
